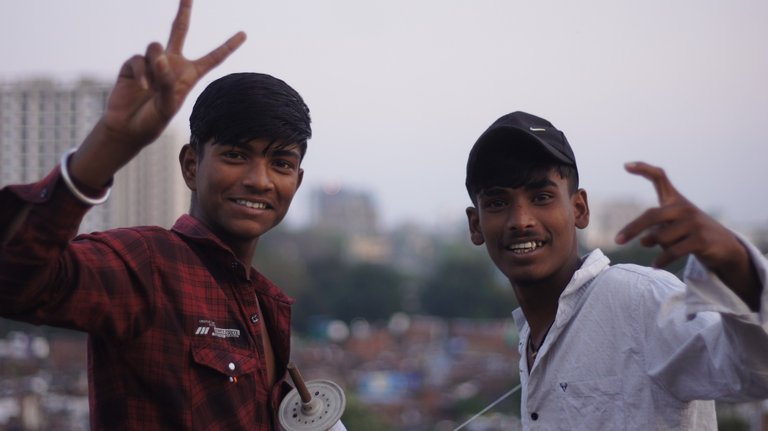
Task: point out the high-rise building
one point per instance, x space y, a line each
41 119
346 211
353 216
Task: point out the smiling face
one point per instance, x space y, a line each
241 192
530 230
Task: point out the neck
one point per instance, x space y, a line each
243 252
243 248
539 313
539 299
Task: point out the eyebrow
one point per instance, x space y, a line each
291 151
533 185
279 151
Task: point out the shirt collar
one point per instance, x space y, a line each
192 228
594 263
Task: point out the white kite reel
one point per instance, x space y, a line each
316 405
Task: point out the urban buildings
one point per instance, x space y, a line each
41 119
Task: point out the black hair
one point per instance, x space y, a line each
241 107
520 168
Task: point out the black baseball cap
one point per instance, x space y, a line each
515 133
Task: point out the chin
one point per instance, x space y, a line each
248 231
525 277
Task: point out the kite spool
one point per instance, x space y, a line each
316 405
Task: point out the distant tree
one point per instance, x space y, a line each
341 290
370 291
318 297
466 285
358 416
639 255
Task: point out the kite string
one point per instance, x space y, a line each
490 406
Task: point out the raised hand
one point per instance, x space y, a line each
150 89
680 228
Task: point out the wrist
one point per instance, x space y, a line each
76 190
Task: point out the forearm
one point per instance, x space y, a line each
100 156
45 217
95 283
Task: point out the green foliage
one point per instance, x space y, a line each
637 254
345 291
732 423
465 285
358 417
312 267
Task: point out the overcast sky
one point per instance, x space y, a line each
399 90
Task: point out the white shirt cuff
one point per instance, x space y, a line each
706 292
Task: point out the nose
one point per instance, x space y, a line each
258 175
520 217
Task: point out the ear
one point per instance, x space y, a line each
188 163
301 178
473 218
580 208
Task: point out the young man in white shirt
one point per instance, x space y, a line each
622 346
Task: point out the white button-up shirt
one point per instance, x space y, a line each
633 348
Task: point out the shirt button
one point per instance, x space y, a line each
255 318
534 416
44 192
231 366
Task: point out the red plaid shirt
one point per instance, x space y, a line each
175 338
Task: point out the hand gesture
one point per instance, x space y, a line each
150 89
680 228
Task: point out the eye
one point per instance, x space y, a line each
542 198
284 164
233 155
493 204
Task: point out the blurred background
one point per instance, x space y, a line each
375 248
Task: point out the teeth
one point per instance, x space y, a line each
249 204
525 247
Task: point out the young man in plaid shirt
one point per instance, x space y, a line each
183 332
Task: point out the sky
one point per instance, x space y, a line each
400 90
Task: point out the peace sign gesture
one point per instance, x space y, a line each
680 228
149 91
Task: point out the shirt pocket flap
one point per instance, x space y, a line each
590 388
230 362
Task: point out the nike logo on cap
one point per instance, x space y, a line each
537 129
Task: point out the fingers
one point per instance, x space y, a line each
163 80
135 69
218 55
180 27
161 73
673 252
669 228
651 219
665 191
